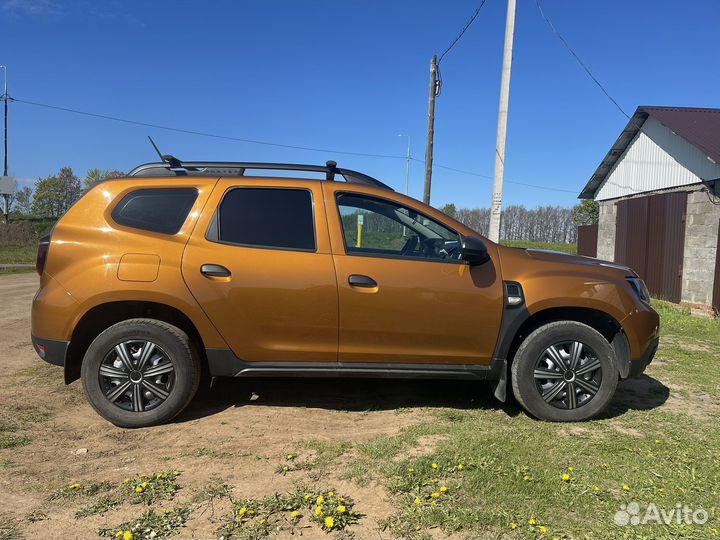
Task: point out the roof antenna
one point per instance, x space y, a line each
174 162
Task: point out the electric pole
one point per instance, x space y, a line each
498 177
6 196
434 91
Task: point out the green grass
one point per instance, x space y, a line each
564 248
17 254
503 473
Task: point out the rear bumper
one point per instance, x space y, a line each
53 351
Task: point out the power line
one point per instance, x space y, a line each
460 35
579 60
267 143
204 134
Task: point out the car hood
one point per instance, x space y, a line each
559 258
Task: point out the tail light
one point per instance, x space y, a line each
42 254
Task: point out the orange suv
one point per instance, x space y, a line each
184 269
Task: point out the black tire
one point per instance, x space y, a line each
536 358
142 404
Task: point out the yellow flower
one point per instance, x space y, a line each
461 467
307 497
139 489
318 511
532 521
411 470
435 495
626 488
127 535
542 530
144 484
604 465
435 481
294 514
242 511
126 481
74 486
341 509
176 472
320 499
526 477
566 477
329 522
434 465
290 457
331 493
657 441
285 469
596 489
434 503
161 475
570 469
418 501
118 534
513 525
443 489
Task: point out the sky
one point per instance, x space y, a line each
349 76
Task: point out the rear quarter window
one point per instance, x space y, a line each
160 210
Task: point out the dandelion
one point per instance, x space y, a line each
626 488
341 509
434 503
443 489
242 511
320 499
436 481
319 511
566 477
418 501
657 441
596 489
307 497
542 530
571 469
434 465
126 481
161 475
435 495
605 465
526 478
127 535
294 514
139 489
290 457
460 467
532 521
513 525
118 534
285 469
329 522
261 521
144 485
176 472
331 493
74 486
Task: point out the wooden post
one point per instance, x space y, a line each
431 128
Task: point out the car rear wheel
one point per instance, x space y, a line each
564 372
140 372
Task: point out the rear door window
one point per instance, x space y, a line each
160 210
273 218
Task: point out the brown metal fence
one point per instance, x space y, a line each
650 237
587 240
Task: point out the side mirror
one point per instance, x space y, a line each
473 250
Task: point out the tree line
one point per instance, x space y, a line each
553 224
50 197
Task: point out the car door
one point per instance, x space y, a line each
259 264
405 297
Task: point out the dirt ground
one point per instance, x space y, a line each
242 432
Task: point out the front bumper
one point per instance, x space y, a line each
53 351
637 366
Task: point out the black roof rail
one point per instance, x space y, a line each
232 168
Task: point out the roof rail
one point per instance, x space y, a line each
231 168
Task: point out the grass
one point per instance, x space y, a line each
507 475
10 254
564 248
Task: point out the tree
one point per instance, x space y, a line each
449 210
55 194
23 201
95 176
586 213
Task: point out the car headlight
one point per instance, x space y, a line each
640 288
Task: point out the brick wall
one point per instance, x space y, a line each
701 240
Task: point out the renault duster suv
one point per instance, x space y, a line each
181 269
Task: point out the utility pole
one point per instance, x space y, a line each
499 176
6 196
434 91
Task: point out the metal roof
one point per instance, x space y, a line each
699 127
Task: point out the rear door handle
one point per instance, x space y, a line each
214 270
358 280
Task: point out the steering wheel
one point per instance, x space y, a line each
410 245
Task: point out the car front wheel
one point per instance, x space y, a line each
140 372
564 372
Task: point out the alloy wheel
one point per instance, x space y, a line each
568 374
136 375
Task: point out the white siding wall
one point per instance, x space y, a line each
656 159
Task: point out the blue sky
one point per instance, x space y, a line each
350 76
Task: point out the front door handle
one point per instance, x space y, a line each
214 270
358 280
